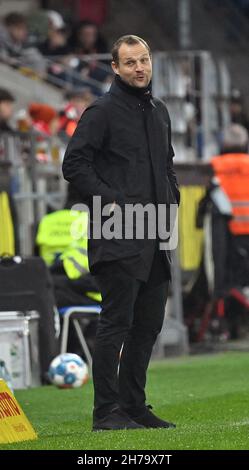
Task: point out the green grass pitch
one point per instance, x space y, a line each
206 396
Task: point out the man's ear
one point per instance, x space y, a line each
114 67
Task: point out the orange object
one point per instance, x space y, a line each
232 171
70 128
44 118
42 112
69 119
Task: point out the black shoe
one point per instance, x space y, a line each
149 420
115 420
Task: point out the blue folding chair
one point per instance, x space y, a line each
76 313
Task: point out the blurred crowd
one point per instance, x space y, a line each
60 54
50 127
68 56
49 121
44 118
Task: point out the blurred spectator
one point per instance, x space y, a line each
15 48
234 140
237 111
68 261
232 170
56 42
55 19
44 118
232 253
87 40
45 121
224 214
76 104
14 35
55 48
6 110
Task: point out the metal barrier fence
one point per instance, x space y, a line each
197 90
36 181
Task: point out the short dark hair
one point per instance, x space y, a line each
14 19
5 95
235 139
129 39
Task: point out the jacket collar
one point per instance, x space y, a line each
129 94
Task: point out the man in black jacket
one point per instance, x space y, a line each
121 151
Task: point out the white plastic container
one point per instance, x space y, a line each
19 347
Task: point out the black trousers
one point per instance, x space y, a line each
131 319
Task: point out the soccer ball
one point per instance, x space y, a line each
68 371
